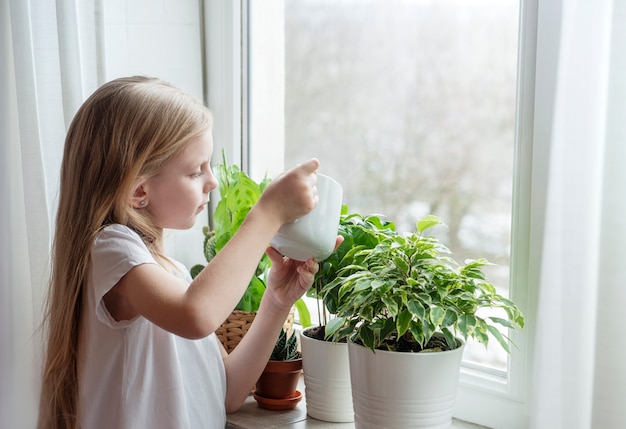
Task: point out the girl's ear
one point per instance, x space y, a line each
139 198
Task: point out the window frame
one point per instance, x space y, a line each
505 399
233 94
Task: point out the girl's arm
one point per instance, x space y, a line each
198 310
288 280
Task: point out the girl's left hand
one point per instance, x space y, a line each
290 279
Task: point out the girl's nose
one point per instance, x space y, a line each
210 182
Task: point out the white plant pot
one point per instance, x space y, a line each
326 379
397 390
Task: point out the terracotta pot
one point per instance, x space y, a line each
279 379
279 404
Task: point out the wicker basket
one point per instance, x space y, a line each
237 324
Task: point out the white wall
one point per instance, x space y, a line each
161 38
154 37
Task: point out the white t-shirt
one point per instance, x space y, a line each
133 374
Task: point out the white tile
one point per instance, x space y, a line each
183 51
144 11
182 11
145 48
115 51
183 44
114 11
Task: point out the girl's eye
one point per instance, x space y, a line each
201 171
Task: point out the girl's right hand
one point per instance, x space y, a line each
293 193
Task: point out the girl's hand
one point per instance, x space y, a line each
289 279
292 194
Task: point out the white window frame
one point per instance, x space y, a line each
226 50
483 398
495 401
224 90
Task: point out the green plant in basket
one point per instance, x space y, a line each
238 193
408 294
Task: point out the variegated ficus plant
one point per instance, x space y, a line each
408 294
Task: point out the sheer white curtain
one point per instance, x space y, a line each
579 378
45 71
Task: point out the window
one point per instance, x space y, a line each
416 107
411 106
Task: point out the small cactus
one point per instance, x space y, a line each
209 251
209 243
286 348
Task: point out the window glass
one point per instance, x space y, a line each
410 105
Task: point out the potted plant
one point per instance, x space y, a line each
407 307
276 388
238 193
325 362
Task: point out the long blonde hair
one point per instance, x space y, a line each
125 131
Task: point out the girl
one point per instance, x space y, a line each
130 338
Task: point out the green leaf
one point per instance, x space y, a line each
391 305
401 264
402 322
437 315
466 324
252 296
425 298
375 284
480 333
449 338
417 309
428 330
303 313
334 325
503 322
417 332
498 336
285 348
449 319
388 328
427 222
366 335
366 313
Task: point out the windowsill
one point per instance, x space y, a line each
250 416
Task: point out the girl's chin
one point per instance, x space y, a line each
184 225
